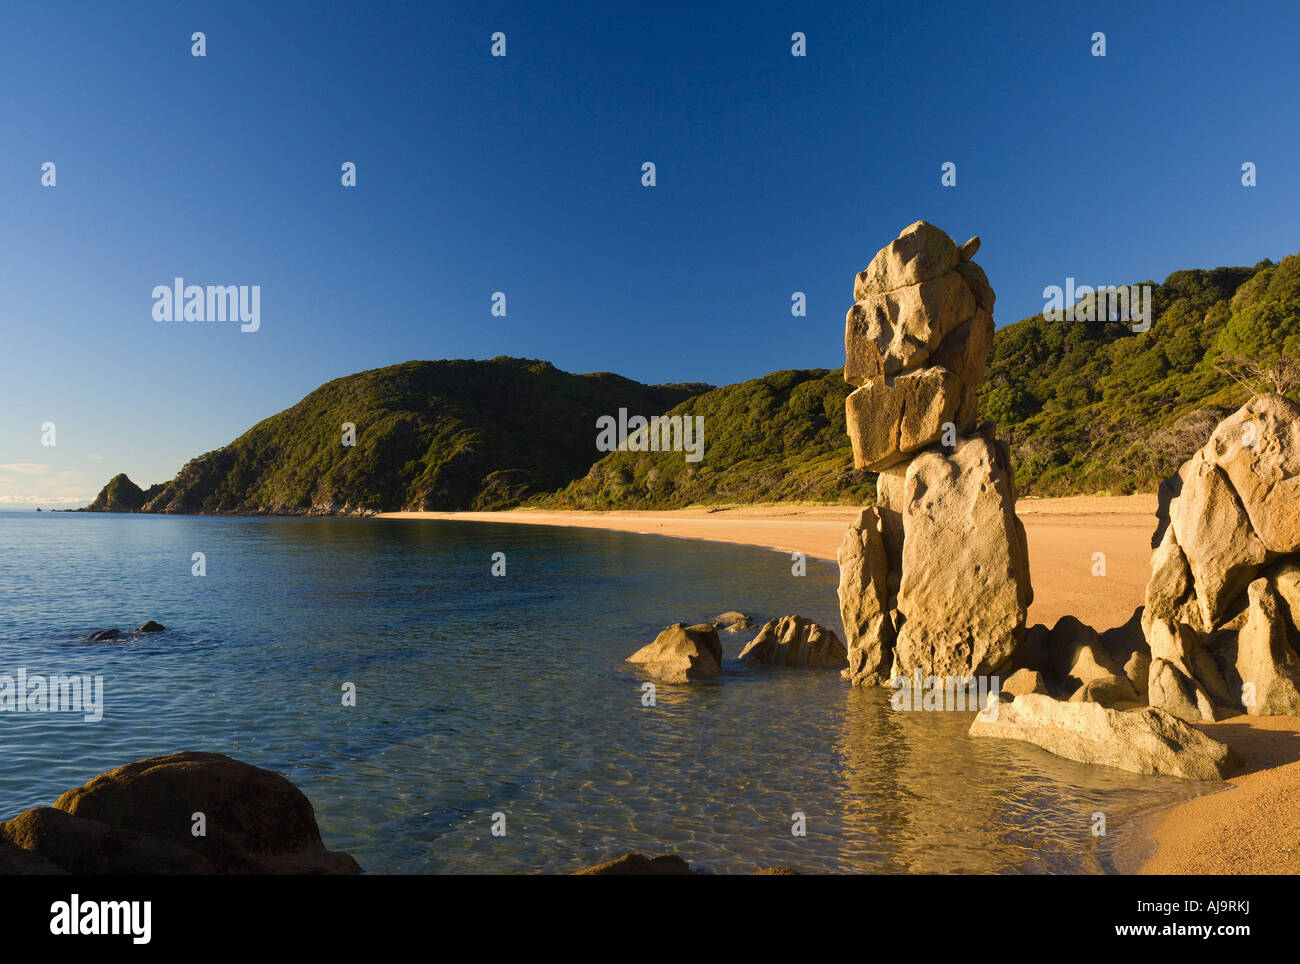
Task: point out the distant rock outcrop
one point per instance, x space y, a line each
936 577
1222 613
794 641
122 495
682 654
139 819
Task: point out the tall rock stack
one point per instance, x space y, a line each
935 577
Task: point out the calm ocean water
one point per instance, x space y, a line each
478 695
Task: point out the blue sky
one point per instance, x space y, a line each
522 174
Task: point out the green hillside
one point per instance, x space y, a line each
429 435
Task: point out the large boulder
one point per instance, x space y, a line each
965 587
1145 740
794 641
682 654
141 819
1218 618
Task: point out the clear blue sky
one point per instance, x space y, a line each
523 175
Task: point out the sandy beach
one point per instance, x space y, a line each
1063 536
1234 831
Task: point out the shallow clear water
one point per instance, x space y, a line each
478 695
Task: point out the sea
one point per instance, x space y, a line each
443 718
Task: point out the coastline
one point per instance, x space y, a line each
1228 830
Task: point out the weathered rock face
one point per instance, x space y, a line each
682 654
1219 615
965 584
794 641
915 344
935 577
1141 741
138 819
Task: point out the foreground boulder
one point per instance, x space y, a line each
935 577
1220 620
139 819
682 654
1146 740
795 641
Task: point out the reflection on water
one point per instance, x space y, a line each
481 695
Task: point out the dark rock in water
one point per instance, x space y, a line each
139 819
638 865
104 635
151 627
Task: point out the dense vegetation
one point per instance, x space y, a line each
776 438
1093 407
1088 406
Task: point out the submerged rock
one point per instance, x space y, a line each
1147 740
732 621
104 635
639 865
151 627
682 654
794 641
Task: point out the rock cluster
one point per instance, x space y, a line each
936 576
139 819
1222 614
794 641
